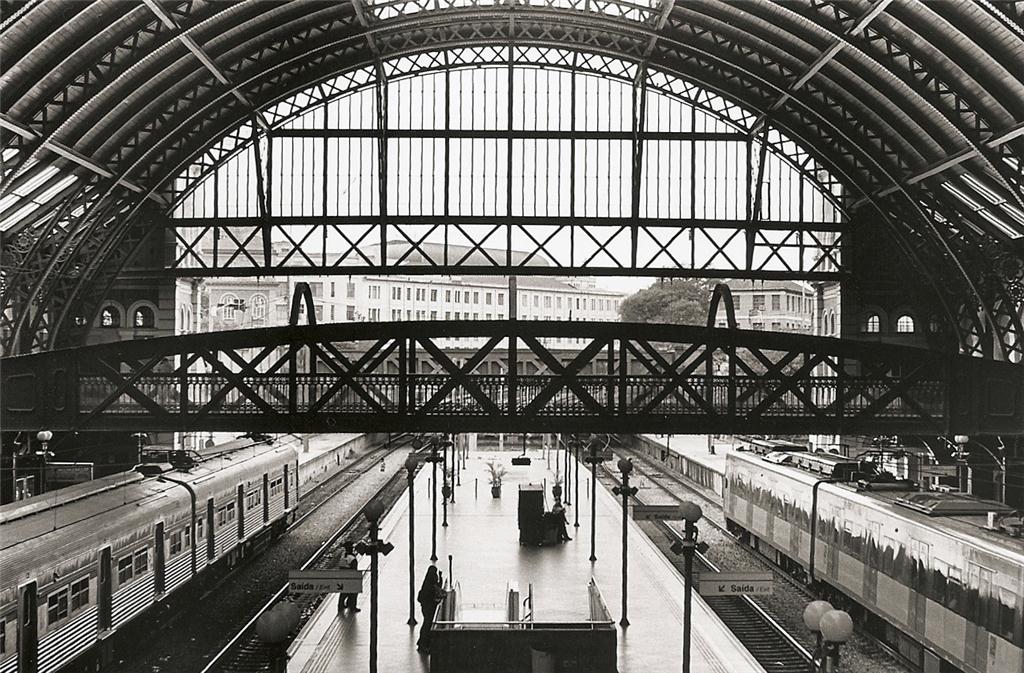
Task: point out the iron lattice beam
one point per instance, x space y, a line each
624 377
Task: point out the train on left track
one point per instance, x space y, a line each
78 564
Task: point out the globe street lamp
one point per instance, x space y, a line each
691 514
625 467
374 548
44 436
813 613
410 465
836 628
273 628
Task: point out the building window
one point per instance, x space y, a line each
229 304
758 302
350 313
144 317
776 302
109 317
57 606
317 289
396 315
350 290
375 314
79 594
448 295
259 307
332 289
547 301
487 298
433 295
374 292
905 324
408 294
396 293
433 315
501 299
873 324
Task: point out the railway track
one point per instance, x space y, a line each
765 638
245 652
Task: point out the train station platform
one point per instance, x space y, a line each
483 540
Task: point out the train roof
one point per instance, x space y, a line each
954 522
50 536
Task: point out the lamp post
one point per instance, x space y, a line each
568 472
433 459
836 627
813 613
625 467
410 465
691 515
44 437
576 455
455 467
446 490
593 459
962 476
374 548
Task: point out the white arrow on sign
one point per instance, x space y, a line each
735 584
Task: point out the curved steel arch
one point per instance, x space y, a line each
726 93
647 38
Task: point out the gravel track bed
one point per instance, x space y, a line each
786 605
187 641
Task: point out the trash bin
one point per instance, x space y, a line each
543 661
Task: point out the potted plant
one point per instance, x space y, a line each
497 472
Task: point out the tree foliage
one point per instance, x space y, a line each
682 301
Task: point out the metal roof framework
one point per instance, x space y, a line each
918 108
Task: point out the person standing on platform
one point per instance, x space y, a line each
350 562
558 511
430 595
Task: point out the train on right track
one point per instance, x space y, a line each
932 574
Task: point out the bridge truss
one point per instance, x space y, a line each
513 377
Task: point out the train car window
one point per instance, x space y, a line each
141 562
889 556
57 606
940 580
124 569
176 542
79 594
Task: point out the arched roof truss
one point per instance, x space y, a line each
916 109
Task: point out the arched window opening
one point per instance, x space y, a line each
873 325
110 317
229 305
905 324
144 318
454 151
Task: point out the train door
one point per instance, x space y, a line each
266 498
28 629
286 490
872 561
240 504
979 591
159 568
920 570
211 532
106 591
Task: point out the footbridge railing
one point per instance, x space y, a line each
509 376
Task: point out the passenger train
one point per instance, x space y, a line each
77 564
927 572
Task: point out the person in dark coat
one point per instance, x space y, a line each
350 562
558 514
431 593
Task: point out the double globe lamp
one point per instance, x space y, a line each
832 628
